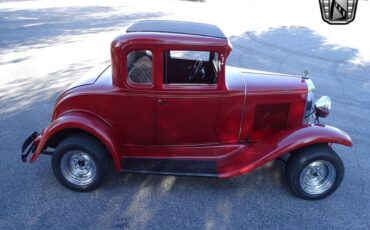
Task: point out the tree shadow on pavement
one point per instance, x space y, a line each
30 91
50 26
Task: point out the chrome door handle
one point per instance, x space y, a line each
162 102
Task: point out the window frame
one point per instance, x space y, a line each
190 86
209 54
127 80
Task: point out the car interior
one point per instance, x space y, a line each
180 67
190 67
139 66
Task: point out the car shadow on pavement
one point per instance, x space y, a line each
43 27
259 199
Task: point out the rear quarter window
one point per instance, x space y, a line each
140 67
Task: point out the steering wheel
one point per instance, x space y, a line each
195 69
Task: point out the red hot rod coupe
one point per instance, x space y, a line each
168 104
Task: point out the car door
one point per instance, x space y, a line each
135 118
187 109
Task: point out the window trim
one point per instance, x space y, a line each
190 86
179 58
167 51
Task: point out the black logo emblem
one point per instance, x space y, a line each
338 12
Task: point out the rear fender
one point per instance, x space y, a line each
86 122
261 152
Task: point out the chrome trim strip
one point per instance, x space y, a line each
244 101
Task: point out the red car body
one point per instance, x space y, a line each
244 120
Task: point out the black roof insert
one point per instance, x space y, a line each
178 27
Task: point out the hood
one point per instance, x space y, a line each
273 101
262 82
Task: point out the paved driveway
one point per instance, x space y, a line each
43 49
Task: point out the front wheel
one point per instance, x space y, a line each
314 172
80 163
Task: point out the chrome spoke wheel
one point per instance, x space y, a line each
317 177
78 168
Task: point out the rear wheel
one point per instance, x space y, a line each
81 163
314 172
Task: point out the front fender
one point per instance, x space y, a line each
314 134
86 122
259 153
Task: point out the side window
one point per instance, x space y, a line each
140 67
190 67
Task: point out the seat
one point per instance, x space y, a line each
140 70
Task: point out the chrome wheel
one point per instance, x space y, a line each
78 168
317 177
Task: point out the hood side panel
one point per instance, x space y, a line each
274 102
232 106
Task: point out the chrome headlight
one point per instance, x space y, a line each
323 106
309 100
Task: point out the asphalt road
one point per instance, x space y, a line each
33 74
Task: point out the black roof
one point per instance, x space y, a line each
178 27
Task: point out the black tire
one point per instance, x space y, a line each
95 154
306 157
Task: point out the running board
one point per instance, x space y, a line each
169 167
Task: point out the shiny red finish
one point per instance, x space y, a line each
261 152
245 120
